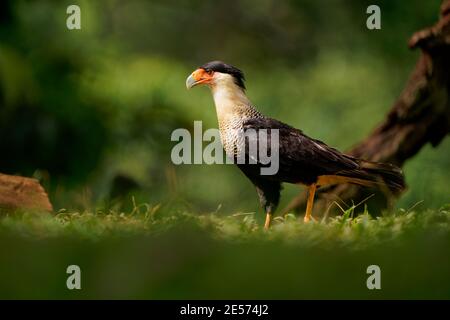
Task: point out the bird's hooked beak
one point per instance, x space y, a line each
199 76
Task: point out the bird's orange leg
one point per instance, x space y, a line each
309 204
268 220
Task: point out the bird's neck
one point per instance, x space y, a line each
231 102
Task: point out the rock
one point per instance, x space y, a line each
22 193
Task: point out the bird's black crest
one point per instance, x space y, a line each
220 66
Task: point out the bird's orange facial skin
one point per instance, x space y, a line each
201 76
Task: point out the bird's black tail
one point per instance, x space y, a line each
384 176
378 175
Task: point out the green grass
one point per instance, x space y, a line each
354 233
153 252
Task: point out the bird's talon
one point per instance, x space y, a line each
310 218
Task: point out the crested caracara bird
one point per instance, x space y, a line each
302 160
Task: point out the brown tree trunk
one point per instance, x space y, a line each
22 193
421 115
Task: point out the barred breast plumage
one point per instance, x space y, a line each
231 127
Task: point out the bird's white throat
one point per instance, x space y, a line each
230 99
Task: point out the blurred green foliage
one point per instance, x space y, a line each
90 111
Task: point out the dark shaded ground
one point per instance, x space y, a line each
208 257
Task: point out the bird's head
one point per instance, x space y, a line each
216 73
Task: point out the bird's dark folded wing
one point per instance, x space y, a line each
301 158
